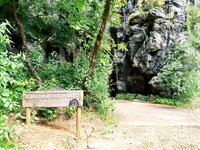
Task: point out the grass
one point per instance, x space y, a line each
9 146
131 96
156 99
168 101
125 96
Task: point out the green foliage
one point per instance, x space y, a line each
13 76
74 30
64 75
13 82
193 25
168 101
105 109
193 18
122 47
180 78
9 146
98 88
4 130
75 25
8 70
10 67
40 20
114 20
125 96
148 4
4 39
37 56
70 111
170 15
131 96
142 97
5 139
49 113
3 2
74 76
74 19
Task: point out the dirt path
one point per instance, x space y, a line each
134 113
140 126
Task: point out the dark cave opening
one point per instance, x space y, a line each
136 83
128 79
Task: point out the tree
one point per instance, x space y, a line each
99 38
26 50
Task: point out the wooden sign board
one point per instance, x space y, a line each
62 98
53 98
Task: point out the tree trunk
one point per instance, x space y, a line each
24 41
99 38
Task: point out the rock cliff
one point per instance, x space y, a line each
150 34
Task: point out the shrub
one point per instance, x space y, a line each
5 138
9 67
75 76
14 80
180 78
68 76
168 101
131 96
49 113
193 26
105 110
4 130
125 96
70 111
142 97
13 75
193 18
98 87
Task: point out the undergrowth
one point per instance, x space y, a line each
131 96
168 101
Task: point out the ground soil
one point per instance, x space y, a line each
138 126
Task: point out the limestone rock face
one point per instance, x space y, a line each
150 36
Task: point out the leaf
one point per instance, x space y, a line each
5 94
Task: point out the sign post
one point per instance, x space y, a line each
78 121
28 116
54 99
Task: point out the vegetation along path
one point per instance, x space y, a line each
141 126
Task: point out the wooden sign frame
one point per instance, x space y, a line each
62 98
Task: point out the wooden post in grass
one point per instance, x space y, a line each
54 99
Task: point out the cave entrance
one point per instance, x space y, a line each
128 79
138 82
